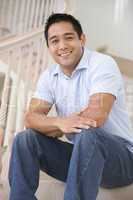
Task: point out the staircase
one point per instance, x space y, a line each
23 56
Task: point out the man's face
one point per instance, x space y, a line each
65 45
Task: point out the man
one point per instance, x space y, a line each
87 90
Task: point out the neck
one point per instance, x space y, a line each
67 71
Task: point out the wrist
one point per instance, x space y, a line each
57 122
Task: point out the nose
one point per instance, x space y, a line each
62 44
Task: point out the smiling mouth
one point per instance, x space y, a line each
65 54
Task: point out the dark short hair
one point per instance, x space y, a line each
59 17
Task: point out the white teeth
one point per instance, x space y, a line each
65 54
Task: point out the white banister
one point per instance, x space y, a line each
26 56
3 9
15 16
5 97
22 16
36 14
42 10
9 14
39 47
24 90
47 9
51 7
11 43
23 5
30 47
27 15
11 120
14 45
31 18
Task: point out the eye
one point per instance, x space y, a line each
69 37
54 41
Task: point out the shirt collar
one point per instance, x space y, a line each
83 64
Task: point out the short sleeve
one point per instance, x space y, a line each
106 78
43 90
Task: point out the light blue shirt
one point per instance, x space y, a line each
95 73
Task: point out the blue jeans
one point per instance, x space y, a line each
96 159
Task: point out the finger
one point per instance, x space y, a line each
76 130
93 123
82 126
90 122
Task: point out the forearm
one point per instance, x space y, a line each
99 107
44 124
97 116
56 126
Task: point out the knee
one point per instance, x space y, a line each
93 138
86 136
24 139
92 132
91 135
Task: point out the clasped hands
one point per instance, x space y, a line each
75 123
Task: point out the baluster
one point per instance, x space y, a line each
22 87
20 105
10 15
5 95
41 12
11 120
36 14
25 87
15 16
45 12
51 7
27 15
3 111
30 68
3 9
45 57
32 14
47 9
39 47
22 16
54 6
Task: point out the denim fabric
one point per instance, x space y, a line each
96 159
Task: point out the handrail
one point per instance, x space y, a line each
21 54
20 39
25 56
6 37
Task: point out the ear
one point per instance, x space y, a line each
83 39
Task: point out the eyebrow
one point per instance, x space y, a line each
65 34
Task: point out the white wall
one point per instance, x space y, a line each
97 19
